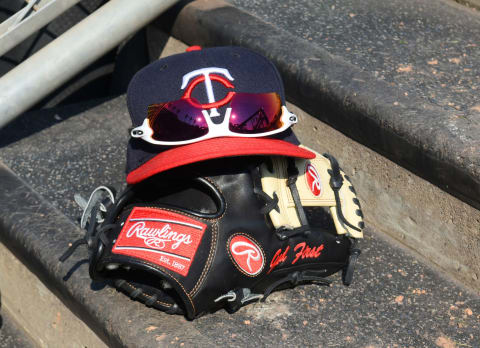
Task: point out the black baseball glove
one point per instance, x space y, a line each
224 233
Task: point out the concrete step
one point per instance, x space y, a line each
396 116
367 92
12 334
396 298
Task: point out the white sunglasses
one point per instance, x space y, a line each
185 121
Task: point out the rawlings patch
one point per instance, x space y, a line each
313 179
246 254
161 237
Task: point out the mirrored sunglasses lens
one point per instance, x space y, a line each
255 113
176 121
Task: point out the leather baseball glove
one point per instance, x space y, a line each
224 233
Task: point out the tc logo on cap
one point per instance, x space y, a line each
206 75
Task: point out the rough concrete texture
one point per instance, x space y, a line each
436 225
420 215
425 218
474 4
412 131
426 48
42 315
395 300
11 334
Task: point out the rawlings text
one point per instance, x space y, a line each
157 237
161 237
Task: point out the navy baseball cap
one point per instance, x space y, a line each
235 69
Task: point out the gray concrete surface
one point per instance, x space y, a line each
395 299
436 225
474 4
427 48
410 130
11 334
439 227
41 316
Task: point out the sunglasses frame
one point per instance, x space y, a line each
145 132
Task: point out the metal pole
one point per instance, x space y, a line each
16 29
64 57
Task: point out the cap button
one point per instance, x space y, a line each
193 48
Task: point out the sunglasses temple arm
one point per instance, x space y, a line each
290 117
141 131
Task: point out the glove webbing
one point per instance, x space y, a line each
270 203
296 277
284 233
336 182
92 236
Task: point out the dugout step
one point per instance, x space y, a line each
410 121
59 152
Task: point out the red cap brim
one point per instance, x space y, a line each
215 148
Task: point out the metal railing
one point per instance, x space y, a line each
67 55
35 15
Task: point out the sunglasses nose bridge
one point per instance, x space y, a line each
226 119
208 120
216 130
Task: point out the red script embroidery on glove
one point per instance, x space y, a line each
161 237
278 258
306 252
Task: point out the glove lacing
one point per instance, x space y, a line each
296 278
240 296
336 182
283 232
90 222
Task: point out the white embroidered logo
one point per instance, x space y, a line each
207 79
251 251
157 238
